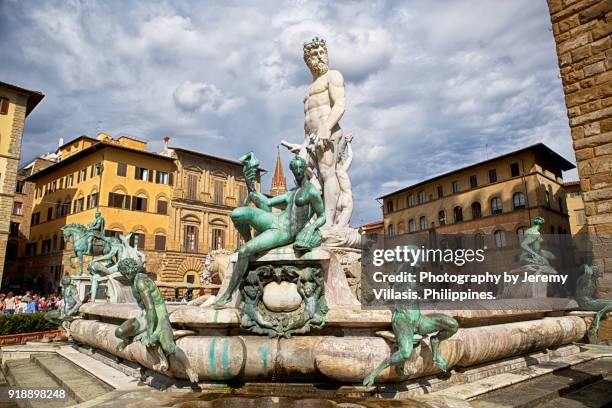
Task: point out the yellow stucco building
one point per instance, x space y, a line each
175 203
16 104
486 204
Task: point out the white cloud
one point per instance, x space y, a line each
204 97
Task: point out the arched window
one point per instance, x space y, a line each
548 198
520 233
162 206
476 212
458 213
423 223
500 239
561 206
400 228
391 230
518 200
496 205
411 225
479 240
442 217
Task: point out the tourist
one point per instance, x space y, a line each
21 304
43 304
32 306
9 304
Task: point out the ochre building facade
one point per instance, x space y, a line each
176 205
16 104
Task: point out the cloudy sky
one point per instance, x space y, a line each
431 86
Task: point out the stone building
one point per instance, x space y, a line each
490 203
15 105
176 205
575 208
279 182
582 30
19 229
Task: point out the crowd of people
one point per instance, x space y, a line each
28 303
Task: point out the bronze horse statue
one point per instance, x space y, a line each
80 235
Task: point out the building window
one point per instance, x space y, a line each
548 199
35 218
580 217
117 200
82 175
190 278
137 240
4 106
514 170
49 213
190 240
121 169
219 192
112 233
30 249
242 194
520 234
218 238
139 204
143 174
410 201
411 225
500 238
561 206
458 214
160 242
162 177
440 191
492 176
391 230
473 181
61 183
12 248
455 186
93 203
496 205
69 180
421 197
96 169
46 246
54 243
390 206
192 187
423 223
479 240
442 217
162 207
14 229
20 187
476 210
17 208
518 200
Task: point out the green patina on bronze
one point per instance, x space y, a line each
291 225
585 296
153 328
410 326
533 254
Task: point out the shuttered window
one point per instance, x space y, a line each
192 186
